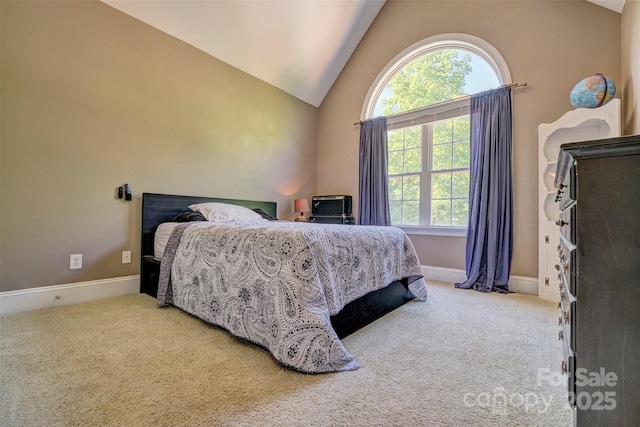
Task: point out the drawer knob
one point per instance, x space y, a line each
560 223
560 335
563 367
566 317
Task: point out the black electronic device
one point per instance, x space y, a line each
331 205
127 192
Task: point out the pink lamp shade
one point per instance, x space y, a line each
302 206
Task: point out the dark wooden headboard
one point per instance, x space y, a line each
159 208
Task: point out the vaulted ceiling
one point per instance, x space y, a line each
299 46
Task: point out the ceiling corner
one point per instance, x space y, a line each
615 5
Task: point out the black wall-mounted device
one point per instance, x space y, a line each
127 192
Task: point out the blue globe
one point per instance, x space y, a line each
592 92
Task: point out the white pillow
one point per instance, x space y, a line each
213 211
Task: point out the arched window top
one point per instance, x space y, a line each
437 69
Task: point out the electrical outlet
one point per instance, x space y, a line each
75 262
126 257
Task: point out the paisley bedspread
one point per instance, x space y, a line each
276 283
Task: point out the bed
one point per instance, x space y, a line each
294 289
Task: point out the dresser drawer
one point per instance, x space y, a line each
568 367
567 266
567 223
566 194
567 313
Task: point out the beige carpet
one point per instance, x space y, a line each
461 359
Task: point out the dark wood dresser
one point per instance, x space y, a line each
598 185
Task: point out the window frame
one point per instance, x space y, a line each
436 112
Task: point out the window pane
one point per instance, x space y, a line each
395 139
442 131
411 188
395 188
411 213
413 137
461 128
395 208
413 160
460 212
441 157
461 155
441 186
460 185
395 162
441 212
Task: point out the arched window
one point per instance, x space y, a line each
424 94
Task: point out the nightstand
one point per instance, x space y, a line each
149 275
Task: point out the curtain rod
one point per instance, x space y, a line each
510 85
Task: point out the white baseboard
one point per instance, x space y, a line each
521 284
524 285
443 274
12 302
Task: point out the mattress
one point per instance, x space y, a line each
162 237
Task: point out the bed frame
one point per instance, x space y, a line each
159 208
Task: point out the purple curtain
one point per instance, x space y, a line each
490 230
374 181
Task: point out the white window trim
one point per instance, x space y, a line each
438 112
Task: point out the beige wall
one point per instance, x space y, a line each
631 66
91 99
551 45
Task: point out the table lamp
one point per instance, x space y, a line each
302 206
